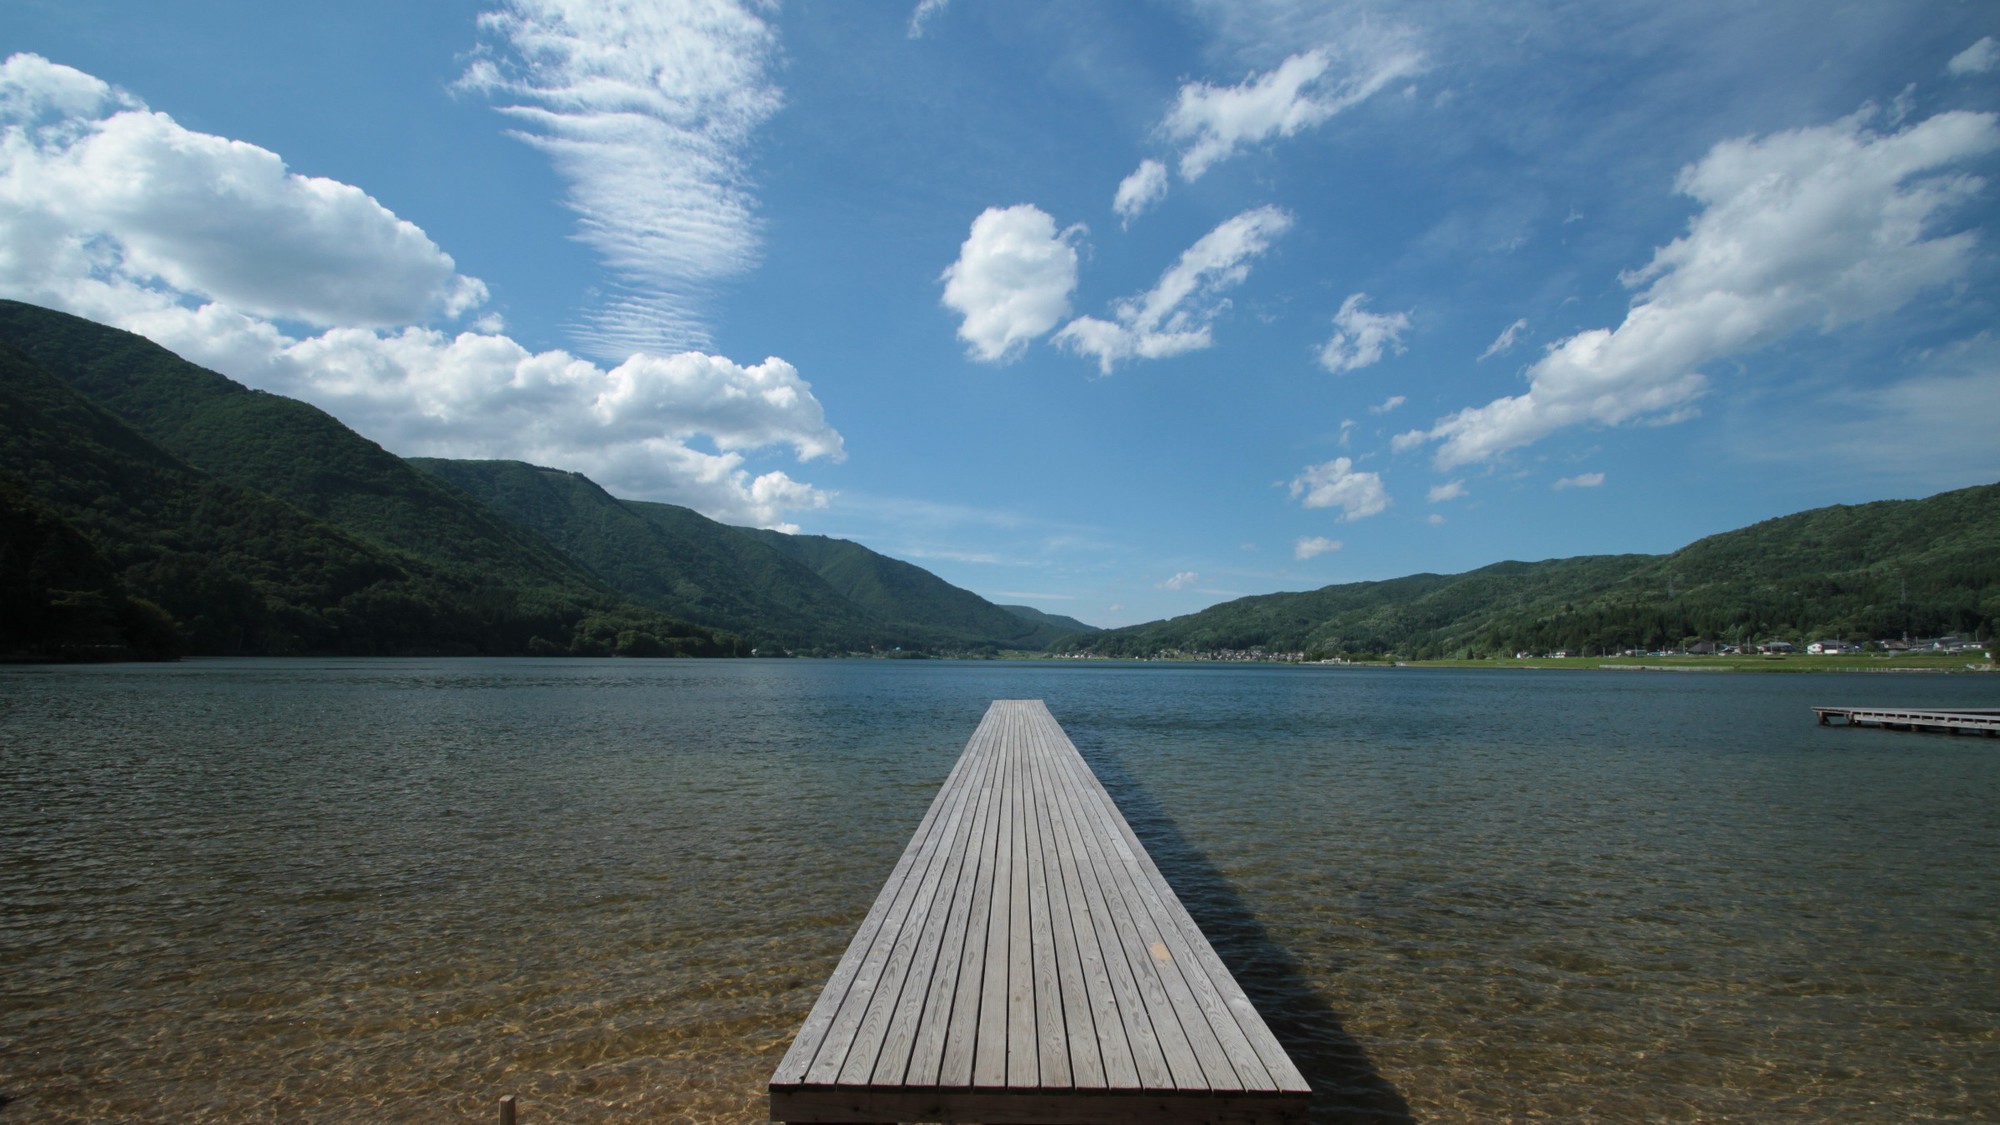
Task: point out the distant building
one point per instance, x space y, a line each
1778 647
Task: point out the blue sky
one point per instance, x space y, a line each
1118 310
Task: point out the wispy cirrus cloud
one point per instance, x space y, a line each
1146 186
646 110
1212 123
1175 314
1505 341
922 15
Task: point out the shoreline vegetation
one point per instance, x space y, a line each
151 508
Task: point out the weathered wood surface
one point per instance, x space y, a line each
1952 721
1027 962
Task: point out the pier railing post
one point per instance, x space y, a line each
509 1105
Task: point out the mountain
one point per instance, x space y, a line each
1871 571
893 590
797 592
229 568
282 448
1054 620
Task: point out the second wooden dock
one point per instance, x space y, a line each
1027 962
1984 721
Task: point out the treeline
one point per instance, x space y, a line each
1918 568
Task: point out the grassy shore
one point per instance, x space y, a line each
1867 662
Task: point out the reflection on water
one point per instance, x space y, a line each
400 889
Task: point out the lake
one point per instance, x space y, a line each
398 889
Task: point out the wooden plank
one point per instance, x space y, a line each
946 944
882 1043
962 1027
1226 1056
1052 1033
820 1021
1079 1044
989 1048
1038 1107
1023 1058
1027 961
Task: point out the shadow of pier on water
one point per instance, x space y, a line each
1346 1085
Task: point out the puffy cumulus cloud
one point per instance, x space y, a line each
1213 122
636 428
1982 57
1505 341
1388 404
1174 316
1360 337
1180 581
646 108
1336 484
1817 227
1012 280
1450 490
1581 480
1146 186
1314 547
95 186
113 212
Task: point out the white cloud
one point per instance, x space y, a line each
1314 547
1146 186
1581 480
1812 228
1504 342
1213 122
646 112
1012 280
1336 484
113 212
1435 520
1982 57
1360 337
1180 581
1450 490
95 185
1388 404
925 12
1174 316
1408 440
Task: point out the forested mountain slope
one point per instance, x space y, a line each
1871 571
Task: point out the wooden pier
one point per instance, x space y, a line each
1984 721
1026 962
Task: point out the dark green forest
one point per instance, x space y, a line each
1917 568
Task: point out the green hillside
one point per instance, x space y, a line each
1872 571
283 448
795 592
894 590
667 557
235 570
1061 622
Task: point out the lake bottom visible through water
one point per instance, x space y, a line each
399 889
